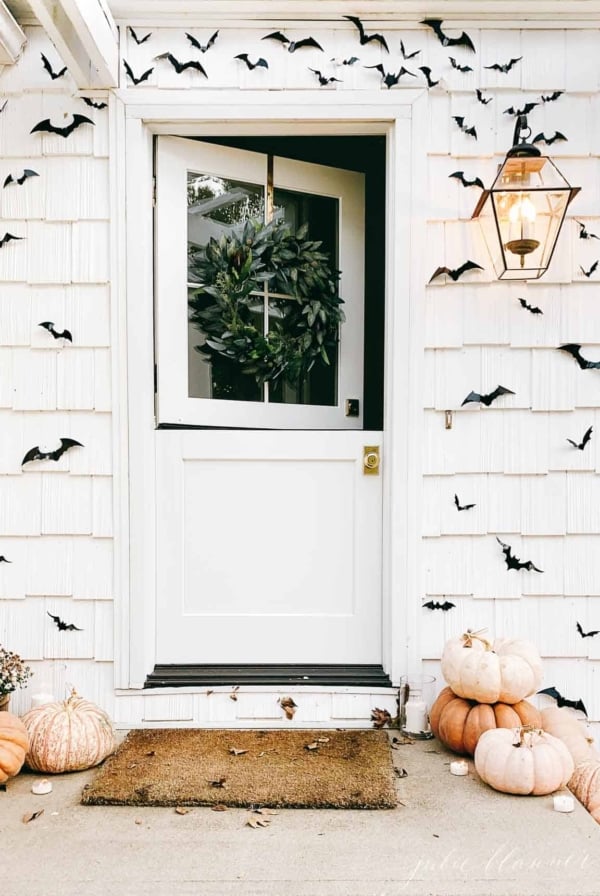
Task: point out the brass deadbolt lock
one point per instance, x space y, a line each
371 460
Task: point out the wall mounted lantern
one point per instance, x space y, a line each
528 202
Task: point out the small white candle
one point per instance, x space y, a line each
459 767
564 804
416 716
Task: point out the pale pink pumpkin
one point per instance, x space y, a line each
68 736
585 784
522 761
13 745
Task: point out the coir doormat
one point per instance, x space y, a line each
202 767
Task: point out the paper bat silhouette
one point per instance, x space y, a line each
351 60
513 562
3 106
202 47
552 97
455 273
8 237
590 271
586 634
541 138
460 175
323 80
489 397
130 74
436 605
49 325
532 308
504 67
4 560
436 25
482 99
36 454
47 126
524 111
63 626
459 68
182 66
406 55
391 78
469 131
293 45
27 172
586 438
460 506
139 40
54 75
368 38
573 348
93 103
562 701
584 234
260 62
427 72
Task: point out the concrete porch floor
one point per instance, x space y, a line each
451 835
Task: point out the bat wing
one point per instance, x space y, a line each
468 266
557 136
447 605
211 40
463 41
436 26
77 121
472 396
471 132
406 55
430 605
587 437
27 172
72 628
439 272
307 42
44 125
55 619
503 543
552 692
277 35
357 23
574 444
66 334
500 390
33 454
457 502
459 119
65 444
572 348
378 68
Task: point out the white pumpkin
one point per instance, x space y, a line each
506 671
522 762
68 736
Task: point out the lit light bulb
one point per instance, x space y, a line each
522 216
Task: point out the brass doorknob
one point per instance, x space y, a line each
371 460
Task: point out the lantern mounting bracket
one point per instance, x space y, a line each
520 145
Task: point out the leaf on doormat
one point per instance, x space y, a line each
288 706
235 752
233 695
380 717
150 753
322 740
218 782
313 746
182 810
219 807
31 816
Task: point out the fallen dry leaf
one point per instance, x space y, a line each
313 746
401 741
219 807
288 706
138 821
181 810
31 816
233 695
208 693
322 740
400 772
235 752
380 717
257 821
264 810
150 753
218 782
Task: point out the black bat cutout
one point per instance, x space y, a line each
36 454
368 38
427 72
136 80
436 25
460 506
469 131
54 75
504 67
541 138
562 701
27 172
460 175
8 237
260 62
489 397
552 97
390 79
202 47
574 349
584 234
90 102
63 626
323 80
513 562
139 40
533 309
46 126
182 66
3 106
586 634
591 270
459 68
49 325
351 60
4 560
586 438
406 55
527 108
455 273
436 605
482 99
293 45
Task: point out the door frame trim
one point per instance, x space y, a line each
402 117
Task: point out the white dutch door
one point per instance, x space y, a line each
268 532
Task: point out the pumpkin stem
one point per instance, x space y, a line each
469 636
524 735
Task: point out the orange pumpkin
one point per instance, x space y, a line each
13 745
459 723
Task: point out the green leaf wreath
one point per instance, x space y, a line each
227 303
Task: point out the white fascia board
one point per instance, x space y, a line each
85 36
12 38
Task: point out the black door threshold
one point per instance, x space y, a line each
179 676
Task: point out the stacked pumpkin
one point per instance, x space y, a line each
585 780
485 702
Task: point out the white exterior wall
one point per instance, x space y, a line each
512 459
